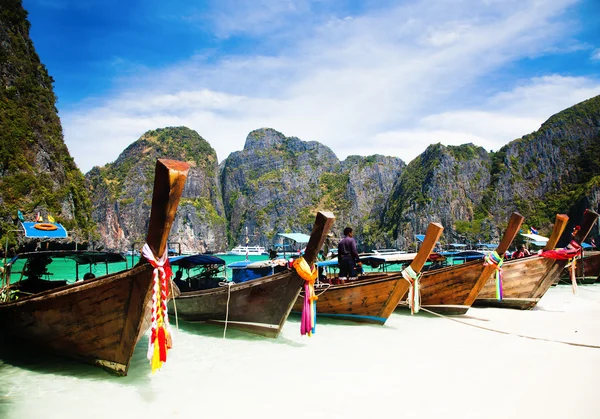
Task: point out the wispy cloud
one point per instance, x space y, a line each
596 54
388 81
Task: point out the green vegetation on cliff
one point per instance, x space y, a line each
36 171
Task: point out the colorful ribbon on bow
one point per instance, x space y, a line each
308 323
494 259
160 337
414 293
570 253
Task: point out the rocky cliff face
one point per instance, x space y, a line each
370 182
472 193
444 184
553 170
37 174
278 183
122 193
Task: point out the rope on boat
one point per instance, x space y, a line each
227 284
318 285
174 306
584 345
414 294
563 281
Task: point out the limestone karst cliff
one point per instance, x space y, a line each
553 170
278 183
122 193
37 173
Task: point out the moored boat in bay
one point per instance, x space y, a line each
98 320
370 298
258 305
526 280
452 290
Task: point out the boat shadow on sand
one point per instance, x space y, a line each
215 331
25 357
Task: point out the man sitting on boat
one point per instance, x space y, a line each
521 252
347 254
181 284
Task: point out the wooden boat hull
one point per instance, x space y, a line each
446 290
368 300
587 270
98 321
525 281
258 306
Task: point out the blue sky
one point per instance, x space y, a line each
362 77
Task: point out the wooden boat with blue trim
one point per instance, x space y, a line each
371 298
98 320
526 280
453 289
260 305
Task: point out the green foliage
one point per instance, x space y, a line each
464 152
36 171
333 187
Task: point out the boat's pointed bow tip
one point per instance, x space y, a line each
177 165
327 214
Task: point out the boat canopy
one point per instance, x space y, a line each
535 237
487 245
587 246
189 261
420 237
297 237
35 233
82 257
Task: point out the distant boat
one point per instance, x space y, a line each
248 250
388 252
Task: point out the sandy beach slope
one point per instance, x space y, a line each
420 367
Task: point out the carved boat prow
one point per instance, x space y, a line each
99 320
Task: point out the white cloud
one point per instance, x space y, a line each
389 82
596 54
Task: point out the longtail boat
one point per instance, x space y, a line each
100 320
526 280
373 297
259 305
587 269
452 290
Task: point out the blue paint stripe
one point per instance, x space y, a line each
381 320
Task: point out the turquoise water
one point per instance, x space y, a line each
61 269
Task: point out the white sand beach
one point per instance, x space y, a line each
421 366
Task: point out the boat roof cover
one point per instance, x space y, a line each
195 260
79 256
420 237
297 237
33 233
535 237
487 245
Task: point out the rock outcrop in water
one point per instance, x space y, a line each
37 173
122 193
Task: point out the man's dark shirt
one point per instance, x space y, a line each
347 248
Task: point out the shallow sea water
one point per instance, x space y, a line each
416 366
